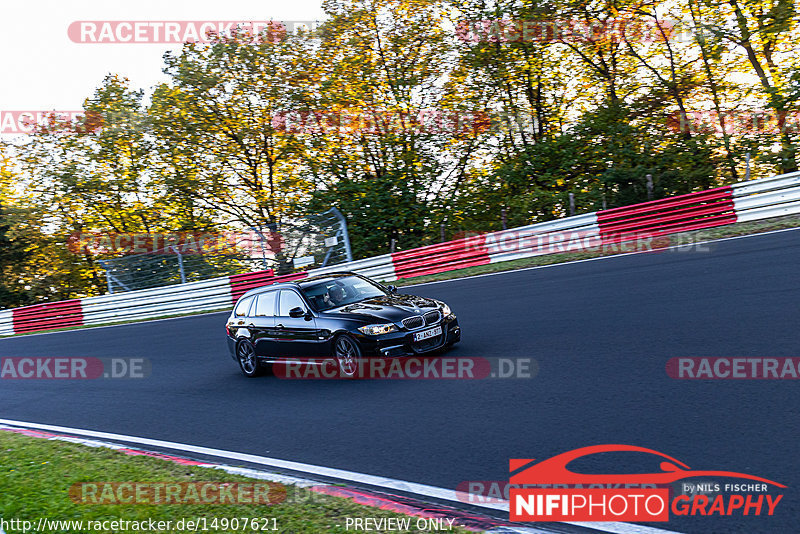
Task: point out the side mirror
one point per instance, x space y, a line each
297 312
392 289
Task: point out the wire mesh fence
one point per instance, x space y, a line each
319 240
143 261
178 263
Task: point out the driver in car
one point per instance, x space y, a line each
334 296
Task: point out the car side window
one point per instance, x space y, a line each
289 300
265 304
243 307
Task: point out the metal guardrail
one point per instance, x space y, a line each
767 198
158 302
563 235
746 201
441 257
47 316
694 211
782 181
6 322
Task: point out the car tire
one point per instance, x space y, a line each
347 355
248 362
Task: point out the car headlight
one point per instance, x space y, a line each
446 310
377 329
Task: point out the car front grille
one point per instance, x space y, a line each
413 322
432 317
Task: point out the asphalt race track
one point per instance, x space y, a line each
601 331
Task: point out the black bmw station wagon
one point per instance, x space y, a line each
344 317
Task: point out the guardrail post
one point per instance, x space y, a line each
108 276
747 169
180 265
571 204
649 179
263 245
345 234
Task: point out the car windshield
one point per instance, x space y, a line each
335 292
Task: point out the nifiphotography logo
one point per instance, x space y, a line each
564 495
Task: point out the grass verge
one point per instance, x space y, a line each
36 476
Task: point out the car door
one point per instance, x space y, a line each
296 336
262 323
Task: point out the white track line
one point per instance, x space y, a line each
388 483
351 476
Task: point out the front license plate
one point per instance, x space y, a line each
427 334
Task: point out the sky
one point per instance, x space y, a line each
45 70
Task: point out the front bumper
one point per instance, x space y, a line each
402 343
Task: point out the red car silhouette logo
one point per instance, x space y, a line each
554 470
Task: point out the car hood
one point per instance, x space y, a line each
393 308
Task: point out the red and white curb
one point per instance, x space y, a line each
374 499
